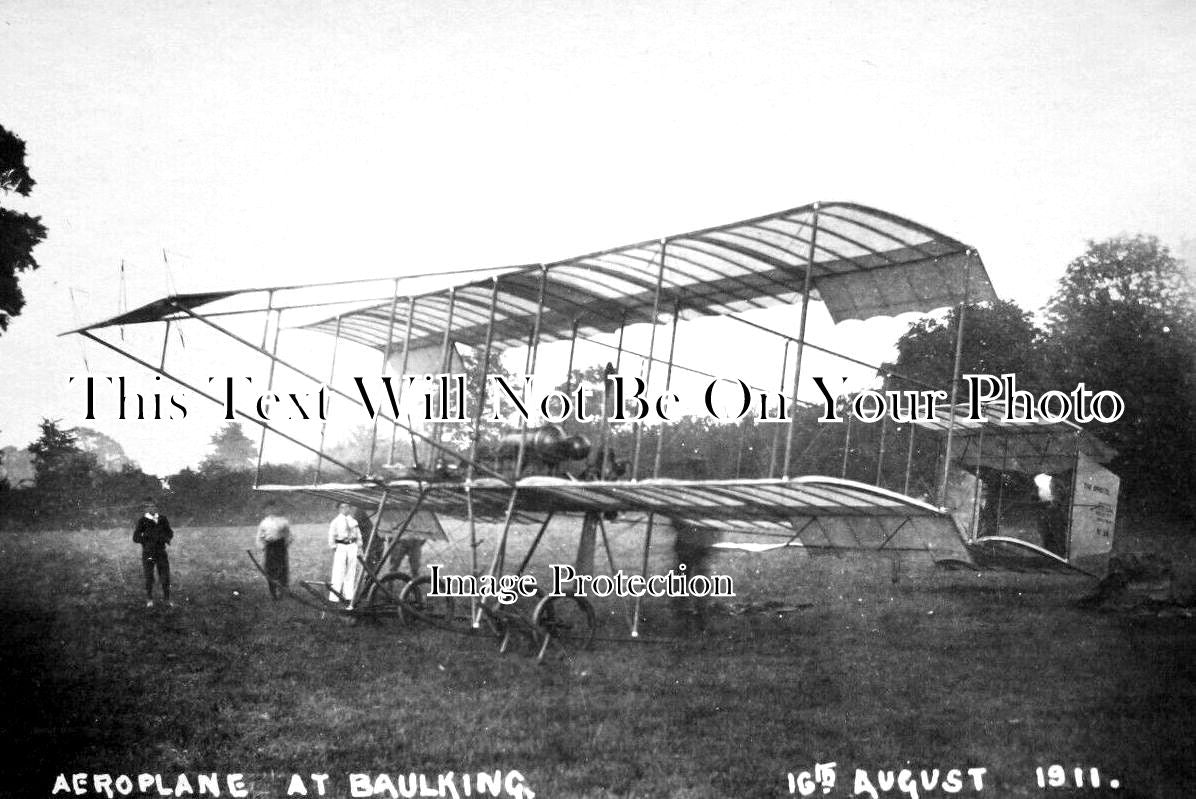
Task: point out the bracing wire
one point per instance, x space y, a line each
82 349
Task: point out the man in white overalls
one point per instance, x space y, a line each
344 536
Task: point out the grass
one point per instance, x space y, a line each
943 670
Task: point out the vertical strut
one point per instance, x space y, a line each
445 363
394 426
261 446
801 339
967 272
668 383
635 611
909 458
390 331
1001 483
482 367
1071 500
531 550
639 426
846 443
605 436
776 436
364 553
165 341
976 495
880 458
266 323
569 366
496 564
336 340
473 446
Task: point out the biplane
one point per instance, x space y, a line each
858 262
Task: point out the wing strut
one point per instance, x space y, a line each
801 340
500 552
475 610
331 374
635 617
668 383
394 305
776 436
261 444
639 427
402 385
967 272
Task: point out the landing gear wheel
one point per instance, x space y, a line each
414 603
566 622
382 599
514 631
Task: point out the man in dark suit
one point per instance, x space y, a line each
153 532
274 538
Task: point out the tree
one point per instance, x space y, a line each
110 455
64 474
232 451
999 338
52 448
1126 271
17 467
354 450
1124 319
19 233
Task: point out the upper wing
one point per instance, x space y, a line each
866 263
861 262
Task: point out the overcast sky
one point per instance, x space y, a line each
279 142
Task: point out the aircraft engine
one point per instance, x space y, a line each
549 444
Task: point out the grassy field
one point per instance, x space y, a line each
940 671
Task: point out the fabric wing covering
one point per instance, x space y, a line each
1008 443
866 263
816 512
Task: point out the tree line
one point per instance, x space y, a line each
73 488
